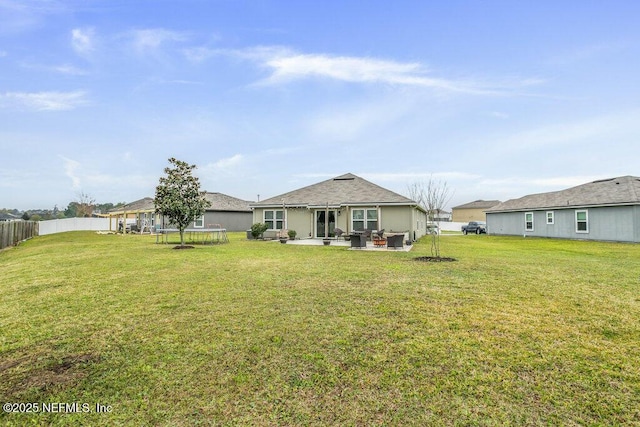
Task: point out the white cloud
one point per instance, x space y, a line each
152 39
499 115
227 164
71 170
82 40
69 70
43 101
62 69
286 65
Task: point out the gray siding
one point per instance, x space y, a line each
614 223
232 221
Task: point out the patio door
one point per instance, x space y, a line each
322 217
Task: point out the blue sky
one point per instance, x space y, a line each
498 99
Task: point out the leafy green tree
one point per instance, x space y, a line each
178 195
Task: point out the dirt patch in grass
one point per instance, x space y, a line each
29 372
434 259
183 247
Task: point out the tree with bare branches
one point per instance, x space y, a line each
432 195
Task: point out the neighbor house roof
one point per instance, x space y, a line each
624 190
8 216
222 202
219 202
478 204
343 190
145 204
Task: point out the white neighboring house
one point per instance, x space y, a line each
606 209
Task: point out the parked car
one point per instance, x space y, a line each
477 227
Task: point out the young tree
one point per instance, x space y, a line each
178 196
85 205
433 196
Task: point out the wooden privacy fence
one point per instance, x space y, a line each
12 232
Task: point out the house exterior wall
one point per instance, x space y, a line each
466 215
232 221
613 223
300 220
391 218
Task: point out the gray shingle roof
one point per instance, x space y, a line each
145 204
478 204
219 202
623 190
222 202
342 190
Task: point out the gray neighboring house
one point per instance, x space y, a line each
347 202
231 213
7 216
607 209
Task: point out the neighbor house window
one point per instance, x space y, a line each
274 219
528 221
364 219
199 222
582 221
550 218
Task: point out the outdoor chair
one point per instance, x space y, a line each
395 241
358 240
338 232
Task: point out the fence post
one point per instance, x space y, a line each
13 232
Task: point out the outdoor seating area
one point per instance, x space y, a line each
365 240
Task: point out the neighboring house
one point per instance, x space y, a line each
7 216
440 216
472 211
607 209
231 213
347 202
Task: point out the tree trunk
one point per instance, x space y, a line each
181 237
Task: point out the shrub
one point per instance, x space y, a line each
258 229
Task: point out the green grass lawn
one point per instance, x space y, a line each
515 332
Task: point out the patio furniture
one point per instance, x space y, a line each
379 242
358 240
338 232
395 241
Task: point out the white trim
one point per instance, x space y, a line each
365 218
195 222
552 217
525 221
586 221
275 218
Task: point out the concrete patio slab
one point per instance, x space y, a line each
342 243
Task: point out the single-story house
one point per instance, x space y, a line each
607 209
231 213
347 202
472 211
8 216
